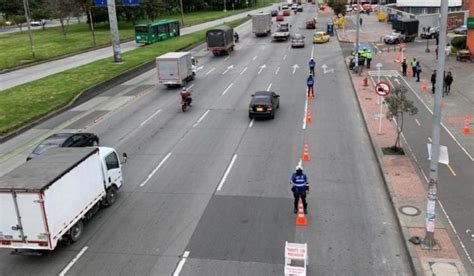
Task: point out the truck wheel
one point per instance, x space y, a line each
111 196
76 231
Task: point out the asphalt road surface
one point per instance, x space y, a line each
207 191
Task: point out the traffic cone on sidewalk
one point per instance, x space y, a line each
301 219
306 156
398 58
424 86
467 125
309 118
409 71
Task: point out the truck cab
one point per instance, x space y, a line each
112 168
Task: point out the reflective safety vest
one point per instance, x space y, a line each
368 55
413 63
299 180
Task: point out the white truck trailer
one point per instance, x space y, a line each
48 198
261 24
175 68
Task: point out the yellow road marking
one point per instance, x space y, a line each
451 169
417 122
429 139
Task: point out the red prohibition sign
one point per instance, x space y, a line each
382 89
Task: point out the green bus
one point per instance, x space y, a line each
156 31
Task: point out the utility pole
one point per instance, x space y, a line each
357 29
182 11
26 6
429 242
114 30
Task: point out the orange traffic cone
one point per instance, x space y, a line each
398 58
309 118
306 156
467 125
409 71
301 219
424 87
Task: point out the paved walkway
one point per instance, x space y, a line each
31 73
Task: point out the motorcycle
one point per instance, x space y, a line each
236 38
186 104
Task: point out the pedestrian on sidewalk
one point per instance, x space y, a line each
447 50
300 188
404 67
436 51
448 80
310 83
413 66
433 81
368 56
360 21
418 71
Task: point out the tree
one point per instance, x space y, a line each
41 15
398 104
338 6
63 10
10 8
19 20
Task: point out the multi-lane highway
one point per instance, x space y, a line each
207 191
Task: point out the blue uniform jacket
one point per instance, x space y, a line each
310 80
299 180
312 64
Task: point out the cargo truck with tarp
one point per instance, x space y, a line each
220 40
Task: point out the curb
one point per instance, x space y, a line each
415 263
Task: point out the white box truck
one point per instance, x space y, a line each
48 198
176 68
261 24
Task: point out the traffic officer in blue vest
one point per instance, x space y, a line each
310 83
300 187
311 65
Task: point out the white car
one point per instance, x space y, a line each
294 6
35 23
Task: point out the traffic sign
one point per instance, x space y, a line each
100 3
382 89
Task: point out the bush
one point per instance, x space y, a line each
459 42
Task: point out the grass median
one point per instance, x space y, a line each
51 43
26 103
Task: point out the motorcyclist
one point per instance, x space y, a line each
186 96
236 36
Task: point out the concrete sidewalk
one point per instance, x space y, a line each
31 73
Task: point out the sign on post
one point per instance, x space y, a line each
100 3
470 22
382 89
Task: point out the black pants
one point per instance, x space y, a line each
297 193
433 85
368 63
310 88
311 70
414 71
447 89
404 71
418 76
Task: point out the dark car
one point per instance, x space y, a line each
264 104
274 12
65 140
299 9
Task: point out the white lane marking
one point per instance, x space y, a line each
73 261
295 66
226 173
228 68
445 128
181 263
202 118
277 70
226 58
261 68
254 58
208 72
191 86
227 89
284 57
312 51
151 117
243 70
455 232
251 123
156 169
269 86
305 112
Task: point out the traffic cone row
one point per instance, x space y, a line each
301 219
467 125
306 156
309 118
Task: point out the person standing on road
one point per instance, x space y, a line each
368 56
299 180
404 67
433 81
310 83
418 71
413 66
311 65
448 80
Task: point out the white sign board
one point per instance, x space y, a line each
294 270
295 251
443 154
